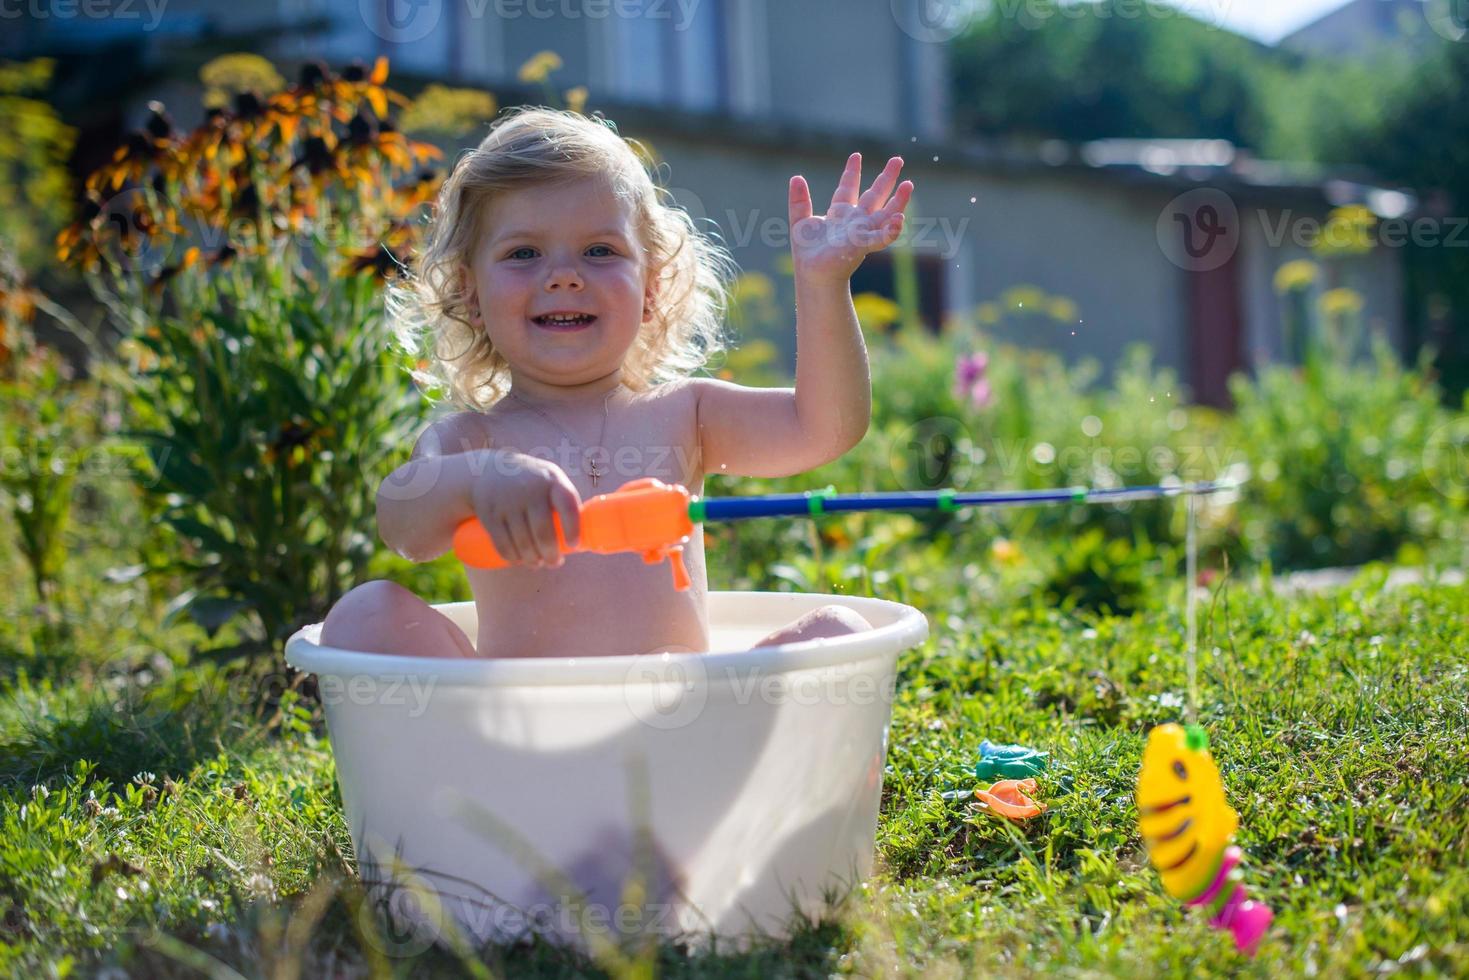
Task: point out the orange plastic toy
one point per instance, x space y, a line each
646 516
1011 799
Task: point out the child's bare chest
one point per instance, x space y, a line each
608 603
652 434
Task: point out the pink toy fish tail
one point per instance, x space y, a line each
1246 920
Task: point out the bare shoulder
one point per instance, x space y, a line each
460 432
696 392
675 396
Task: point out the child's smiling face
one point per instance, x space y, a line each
570 248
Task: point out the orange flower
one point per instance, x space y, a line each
153 146
383 259
169 271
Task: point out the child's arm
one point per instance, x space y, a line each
455 472
774 432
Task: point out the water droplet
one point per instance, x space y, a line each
974 200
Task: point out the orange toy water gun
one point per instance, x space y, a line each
647 516
656 519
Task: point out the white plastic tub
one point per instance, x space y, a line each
507 795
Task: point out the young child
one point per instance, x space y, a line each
565 300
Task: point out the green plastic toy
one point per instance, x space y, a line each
1009 761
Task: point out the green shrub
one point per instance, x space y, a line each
243 263
1337 450
47 423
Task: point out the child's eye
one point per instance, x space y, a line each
607 250
517 253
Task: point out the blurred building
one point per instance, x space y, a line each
1365 27
1171 243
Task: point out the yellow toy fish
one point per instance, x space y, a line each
1187 826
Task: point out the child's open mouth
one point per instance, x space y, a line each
564 321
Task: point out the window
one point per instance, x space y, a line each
644 49
700 48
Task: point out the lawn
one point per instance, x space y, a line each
166 810
173 818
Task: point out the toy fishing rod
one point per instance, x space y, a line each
656 519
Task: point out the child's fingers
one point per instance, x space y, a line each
567 503
800 200
534 553
523 540
877 194
891 229
899 203
504 540
544 531
851 182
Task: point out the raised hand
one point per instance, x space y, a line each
830 247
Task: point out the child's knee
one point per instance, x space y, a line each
370 600
383 617
834 620
821 623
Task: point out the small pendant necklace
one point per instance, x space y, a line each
588 461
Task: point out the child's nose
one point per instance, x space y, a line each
563 277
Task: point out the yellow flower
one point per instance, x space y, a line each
576 98
243 72
1005 551
1023 298
876 312
540 66
1348 231
753 287
1295 275
751 357
1061 309
452 111
1341 302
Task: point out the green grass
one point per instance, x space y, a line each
1339 721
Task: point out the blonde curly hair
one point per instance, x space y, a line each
531 146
